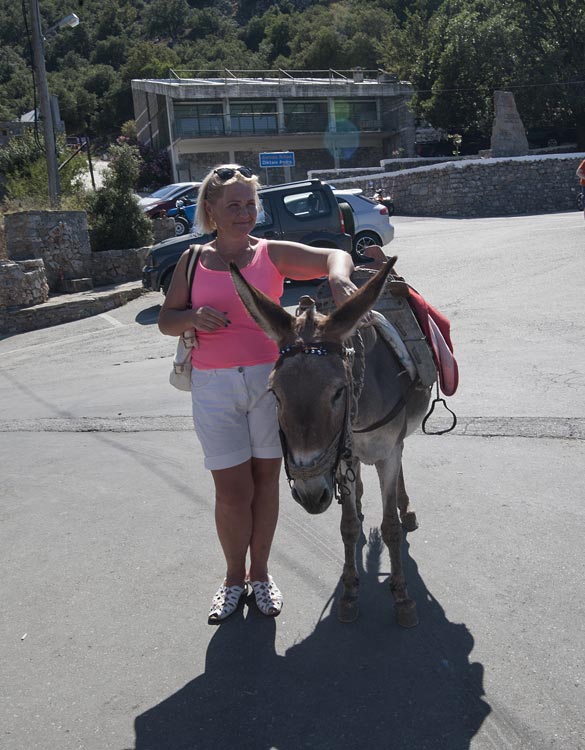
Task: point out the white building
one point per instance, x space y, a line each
328 119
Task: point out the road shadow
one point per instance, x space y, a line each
368 684
148 316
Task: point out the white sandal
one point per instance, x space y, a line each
268 597
225 602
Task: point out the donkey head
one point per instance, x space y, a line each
311 382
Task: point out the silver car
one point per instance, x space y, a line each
371 220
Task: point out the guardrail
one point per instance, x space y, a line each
330 75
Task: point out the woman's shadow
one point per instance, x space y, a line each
370 683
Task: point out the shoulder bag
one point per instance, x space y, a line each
180 376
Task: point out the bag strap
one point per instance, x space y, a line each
194 253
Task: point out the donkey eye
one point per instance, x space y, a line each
337 395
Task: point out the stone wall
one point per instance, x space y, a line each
117 266
22 283
385 165
163 229
479 187
60 238
49 251
65 308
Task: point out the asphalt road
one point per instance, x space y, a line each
109 558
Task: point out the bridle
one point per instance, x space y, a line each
341 446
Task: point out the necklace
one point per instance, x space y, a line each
237 259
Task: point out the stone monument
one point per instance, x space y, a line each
508 133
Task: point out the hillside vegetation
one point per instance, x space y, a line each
454 52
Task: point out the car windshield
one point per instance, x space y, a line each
164 192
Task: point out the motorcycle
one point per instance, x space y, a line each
184 216
387 201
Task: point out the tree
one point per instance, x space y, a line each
167 18
458 58
555 30
116 220
148 60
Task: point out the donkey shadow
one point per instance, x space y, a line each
370 683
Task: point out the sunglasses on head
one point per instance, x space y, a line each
226 173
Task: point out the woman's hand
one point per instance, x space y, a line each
209 319
342 287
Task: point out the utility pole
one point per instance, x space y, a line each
44 102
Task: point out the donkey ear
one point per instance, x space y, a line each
342 323
272 318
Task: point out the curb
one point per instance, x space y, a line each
65 308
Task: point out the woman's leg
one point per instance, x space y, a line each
265 473
234 494
246 512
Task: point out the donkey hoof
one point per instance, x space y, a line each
348 610
409 522
405 612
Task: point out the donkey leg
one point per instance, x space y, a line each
389 473
407 514
348 609
359 490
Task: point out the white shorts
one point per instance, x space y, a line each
235 415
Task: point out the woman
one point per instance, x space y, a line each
234 413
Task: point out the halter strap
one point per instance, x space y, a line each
314 348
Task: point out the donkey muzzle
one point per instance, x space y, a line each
314 494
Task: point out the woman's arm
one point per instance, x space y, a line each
303 262
175 317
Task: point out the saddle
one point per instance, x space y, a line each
430 351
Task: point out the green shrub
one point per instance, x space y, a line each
24 166
115 219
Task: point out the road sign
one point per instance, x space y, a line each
277 159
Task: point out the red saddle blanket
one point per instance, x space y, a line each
437 328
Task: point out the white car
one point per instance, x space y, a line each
371 220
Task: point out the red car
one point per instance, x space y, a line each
166 197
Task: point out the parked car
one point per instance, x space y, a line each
472 142
549 136
305 212
166 197
434 148
371 220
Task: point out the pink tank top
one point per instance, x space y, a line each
242 342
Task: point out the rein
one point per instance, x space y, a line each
398 406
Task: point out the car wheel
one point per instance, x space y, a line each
363 240
181 227
348 220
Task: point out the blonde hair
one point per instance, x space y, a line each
212 187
